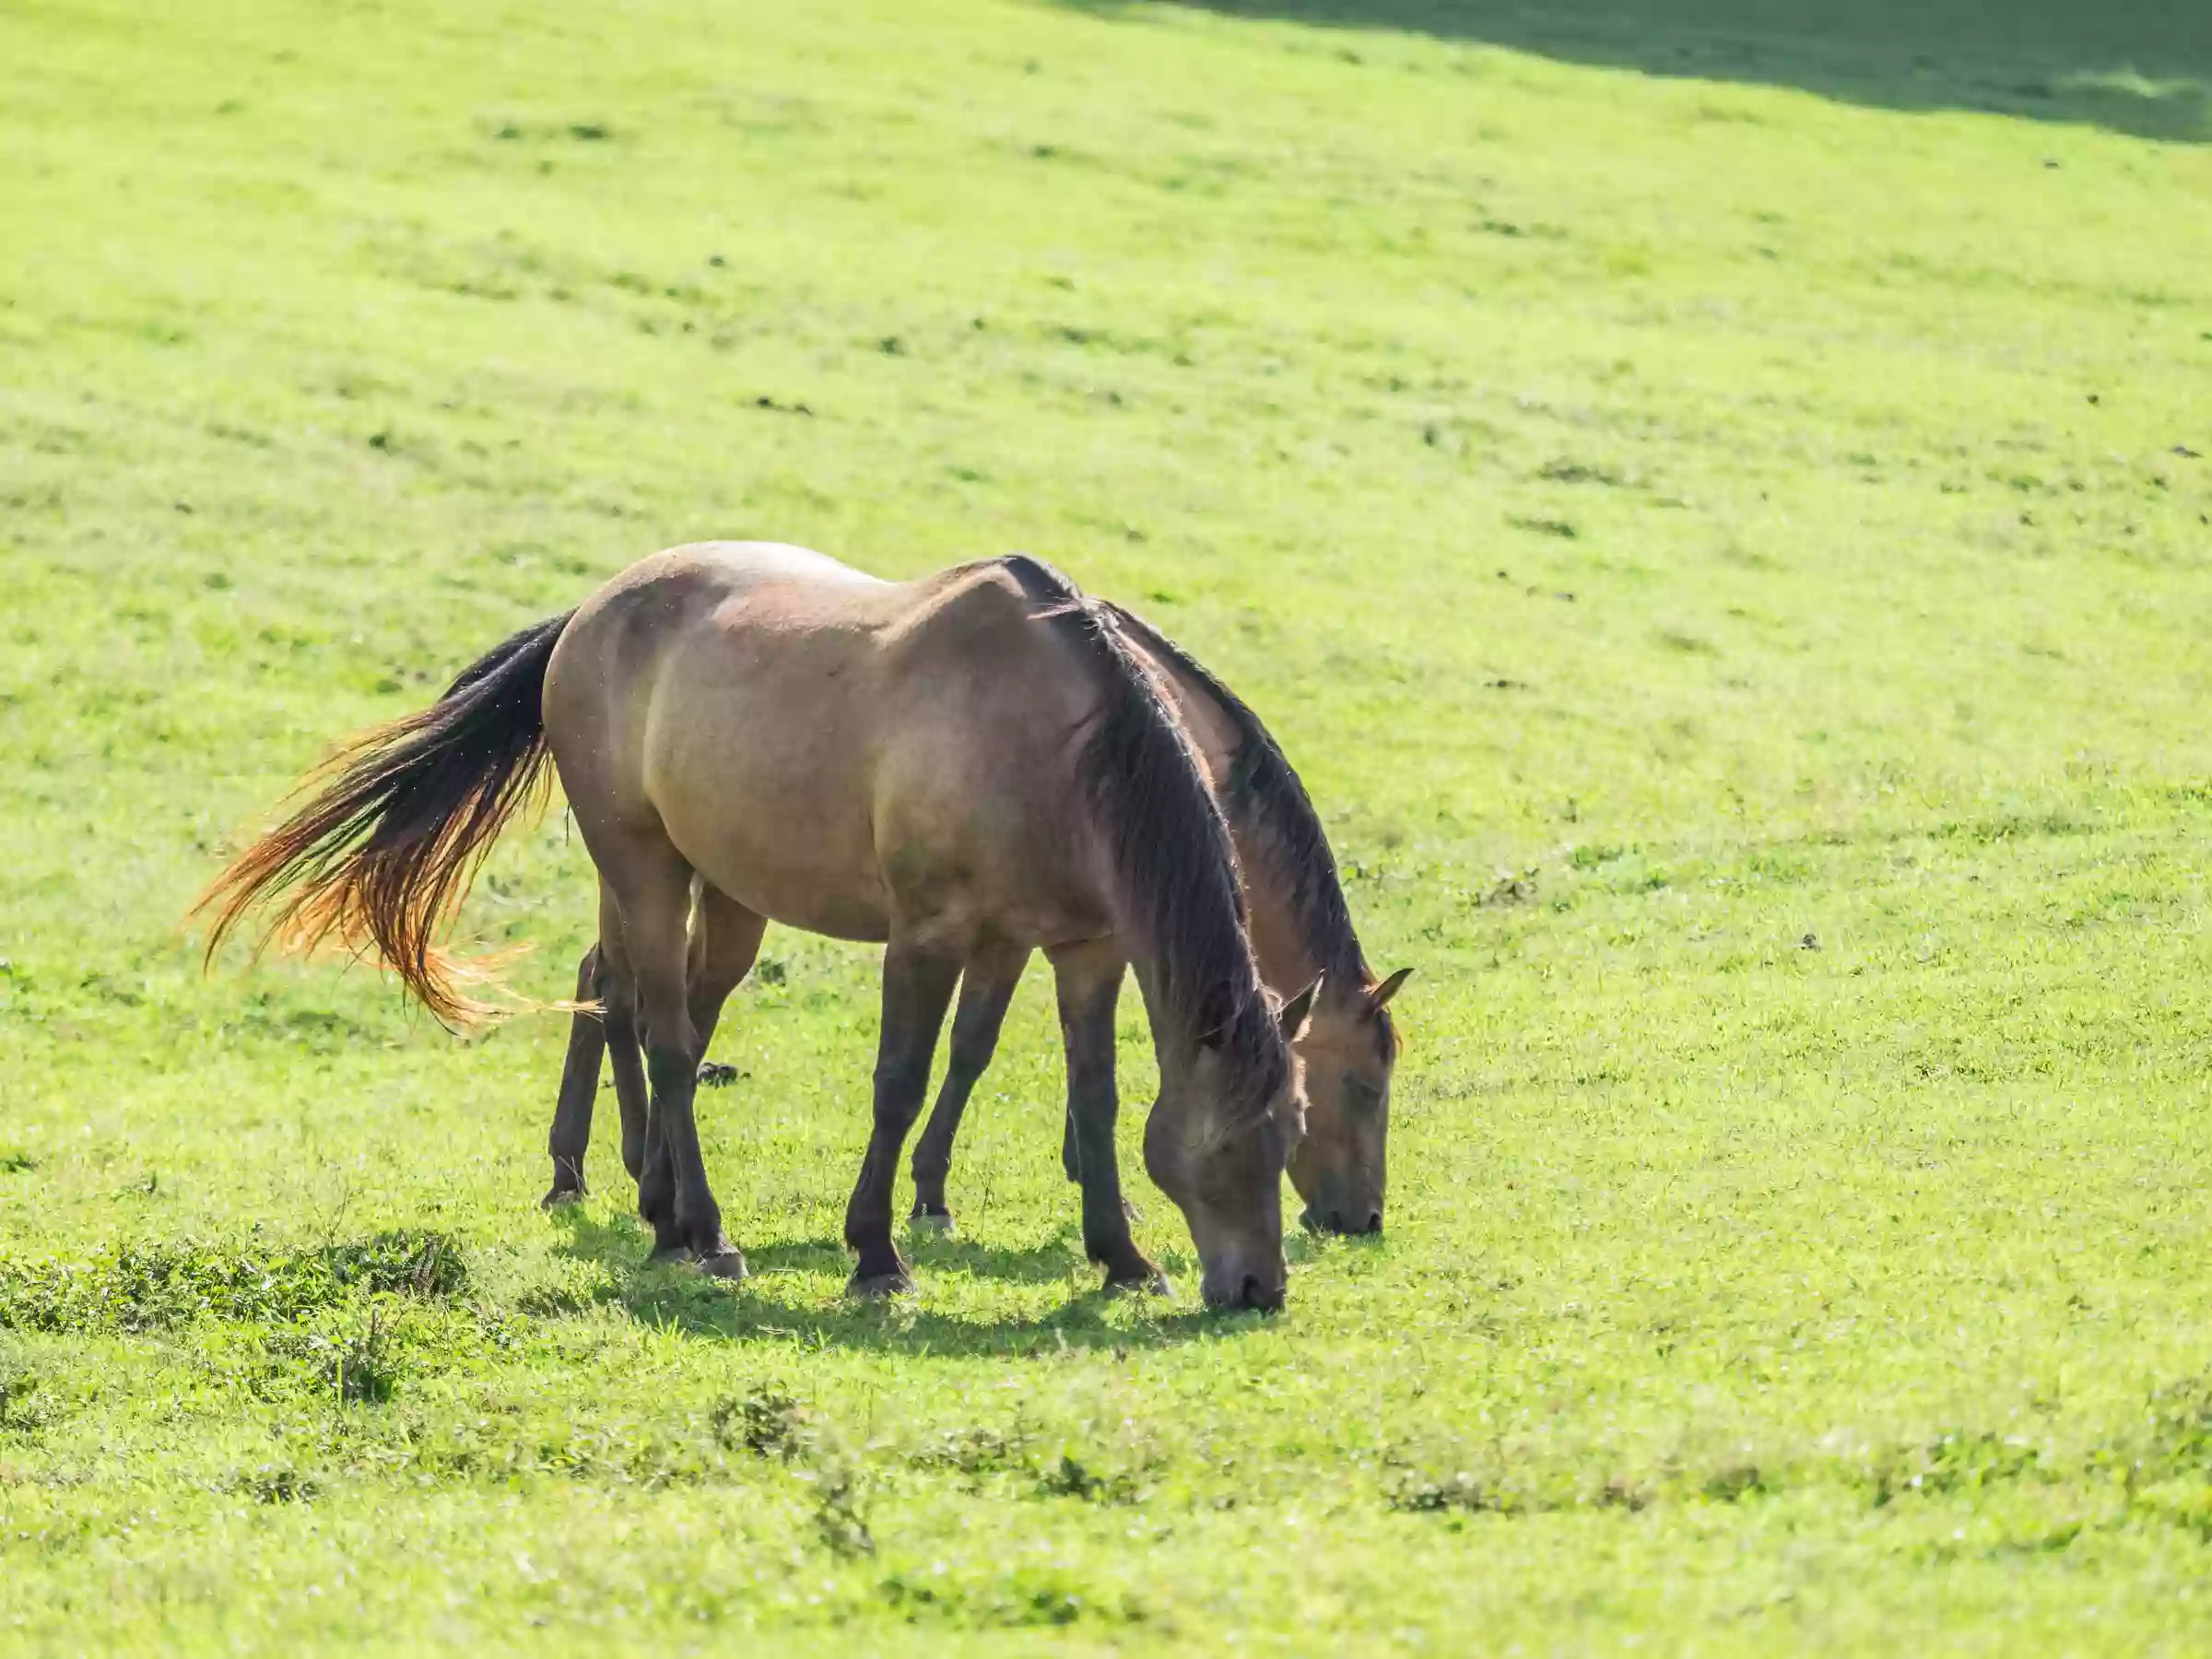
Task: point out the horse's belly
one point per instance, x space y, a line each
783 835
839 904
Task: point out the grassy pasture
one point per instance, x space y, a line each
1718 504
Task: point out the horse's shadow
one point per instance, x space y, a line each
780 1301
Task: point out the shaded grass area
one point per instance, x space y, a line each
2143 67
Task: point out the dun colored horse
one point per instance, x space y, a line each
1301 932
966 768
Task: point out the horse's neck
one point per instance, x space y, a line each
1288 956
1291 947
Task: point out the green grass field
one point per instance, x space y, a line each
1708 496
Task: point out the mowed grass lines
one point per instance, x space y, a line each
1732 565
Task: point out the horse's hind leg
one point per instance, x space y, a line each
986 987
651 892
917 986
572 1134
611 1034
1088 980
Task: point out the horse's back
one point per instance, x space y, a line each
818 742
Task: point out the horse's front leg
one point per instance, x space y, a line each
917 987
1088 980
986 988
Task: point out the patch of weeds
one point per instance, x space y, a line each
1071 1478
1027 1598
770 1423
1413 1492
1958 1460
840 1517
13 1160
26 1406
2166 1466
156 1285
2181 1427
1509 887
274 1482
1622 1494
1543 527
1576 472
1734 1484
360 1368
973 1451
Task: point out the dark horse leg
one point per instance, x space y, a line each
652 905
1089 980
572 1134
917 987
611 1032
725 937
986 987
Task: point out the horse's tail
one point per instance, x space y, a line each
383 854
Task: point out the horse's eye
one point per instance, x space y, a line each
1362 1095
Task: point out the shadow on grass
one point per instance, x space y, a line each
2143 67
774 1303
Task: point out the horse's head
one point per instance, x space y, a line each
1348 1049
1218 1153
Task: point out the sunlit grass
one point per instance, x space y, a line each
1731 564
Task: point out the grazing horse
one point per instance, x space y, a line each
1301 932
971 765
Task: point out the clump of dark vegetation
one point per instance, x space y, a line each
359 1367
1069 1478
1735 1483
975 1451
771 1423
26 1406
1027 1598
1962 1460
1417 1493
839 1520
156 1285
275 1483
1509 887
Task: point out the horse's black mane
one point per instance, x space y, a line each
1270 803
1274 814
1173 860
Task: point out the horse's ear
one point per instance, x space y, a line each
1297 1011
1389 988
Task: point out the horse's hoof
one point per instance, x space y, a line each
722 1265
560 1199
931 1221
877 1286
715 1075
1154 1283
